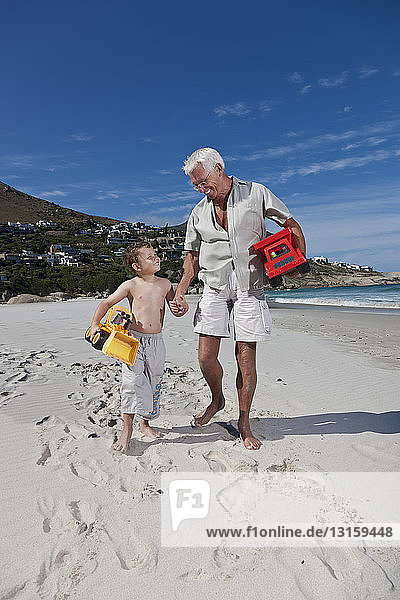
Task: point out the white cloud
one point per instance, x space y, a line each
347 108
333 82
24 161
366 72
295 78
165 172
388 127
78 137
108 194
237 110
266 106
372 141
52 194
306 89
336 165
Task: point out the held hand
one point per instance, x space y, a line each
93 329
179 306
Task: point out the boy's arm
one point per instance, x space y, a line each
120 293
169 297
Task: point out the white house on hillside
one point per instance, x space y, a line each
321 260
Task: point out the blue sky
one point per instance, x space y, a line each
101 102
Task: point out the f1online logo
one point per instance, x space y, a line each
188 499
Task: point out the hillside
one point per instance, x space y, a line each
18 206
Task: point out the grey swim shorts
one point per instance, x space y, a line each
141 383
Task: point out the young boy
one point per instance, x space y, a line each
146 294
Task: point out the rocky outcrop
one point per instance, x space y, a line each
30 298
331 276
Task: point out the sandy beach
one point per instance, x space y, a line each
79 520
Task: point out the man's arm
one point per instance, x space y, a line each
299 241
297 233
190 270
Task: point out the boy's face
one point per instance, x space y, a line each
148 263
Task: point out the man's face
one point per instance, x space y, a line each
211 182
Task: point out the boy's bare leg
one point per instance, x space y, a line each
212 373
151 432
246 381
122 443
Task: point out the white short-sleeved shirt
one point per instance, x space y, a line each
222 251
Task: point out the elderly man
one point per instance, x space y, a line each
221 229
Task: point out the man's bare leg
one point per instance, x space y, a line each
123 441
151 432
212 373
246 381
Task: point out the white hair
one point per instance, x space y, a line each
206 157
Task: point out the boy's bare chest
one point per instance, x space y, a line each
150 295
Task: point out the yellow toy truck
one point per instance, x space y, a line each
115 339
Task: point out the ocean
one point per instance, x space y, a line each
368 296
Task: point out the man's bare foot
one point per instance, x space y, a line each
248 439
208 413
149 431
122 444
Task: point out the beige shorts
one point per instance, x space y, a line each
251 318
141 382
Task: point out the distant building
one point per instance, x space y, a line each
63 248
28 227
336 263
113 239
47 224
70 261
14 259
321 260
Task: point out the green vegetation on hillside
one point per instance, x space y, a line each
18 206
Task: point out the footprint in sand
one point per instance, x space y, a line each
219 462
78 515
377 456
225 564
60 574
72 557
155 459
134 554
22 368
90 471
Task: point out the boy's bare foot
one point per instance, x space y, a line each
122 444
208 413
149 431
248 439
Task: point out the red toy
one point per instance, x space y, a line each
280 255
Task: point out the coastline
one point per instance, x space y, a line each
333 307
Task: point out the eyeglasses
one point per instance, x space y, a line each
203 183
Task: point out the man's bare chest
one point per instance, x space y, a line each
221 216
